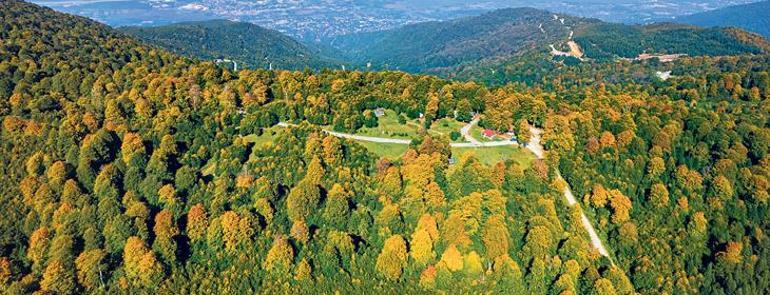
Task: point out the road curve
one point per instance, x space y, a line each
465 131
472 144
536 148
533 145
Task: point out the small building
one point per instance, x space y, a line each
379 112
489 133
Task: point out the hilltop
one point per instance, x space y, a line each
251 45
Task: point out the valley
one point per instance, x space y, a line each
508 151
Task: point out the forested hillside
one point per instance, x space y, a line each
129 169
515 35
605 40
753 17
425 46
250 45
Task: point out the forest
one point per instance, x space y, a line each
129 169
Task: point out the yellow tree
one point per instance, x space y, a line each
142 268
280 257
90 268
621 206
421 247
38 246
453 230
452 259
58 278
392 259
495 236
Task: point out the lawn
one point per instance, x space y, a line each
487 155
445 126
493 155
268 135
390 151
389 127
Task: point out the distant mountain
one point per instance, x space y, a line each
507 33
608 40
248 44
433 45
754 17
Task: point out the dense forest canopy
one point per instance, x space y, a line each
129 169
250 45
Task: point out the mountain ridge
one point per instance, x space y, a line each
754 17
436 46
246 43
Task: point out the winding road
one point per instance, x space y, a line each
533 145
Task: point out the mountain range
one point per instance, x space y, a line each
507 33
440 47
753 17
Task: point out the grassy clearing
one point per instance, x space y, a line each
391 151
268 135
487 155
494 155
445 126
388 126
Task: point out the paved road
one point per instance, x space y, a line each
536 148
472 144
533 145
466 131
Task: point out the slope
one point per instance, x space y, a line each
431 45
754 17
498 36
246 43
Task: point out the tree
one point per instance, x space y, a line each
91 269
337 206
197 222
421 247
5 271
236 230
604 287
539 241
392 258
142 268
658 195
38 246
280 257
452 259
58 278
165 230
315 171
621 206
302 200
453 231
495 237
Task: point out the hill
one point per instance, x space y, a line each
754 17
607 40
245 43
127 169
431 45
507 33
